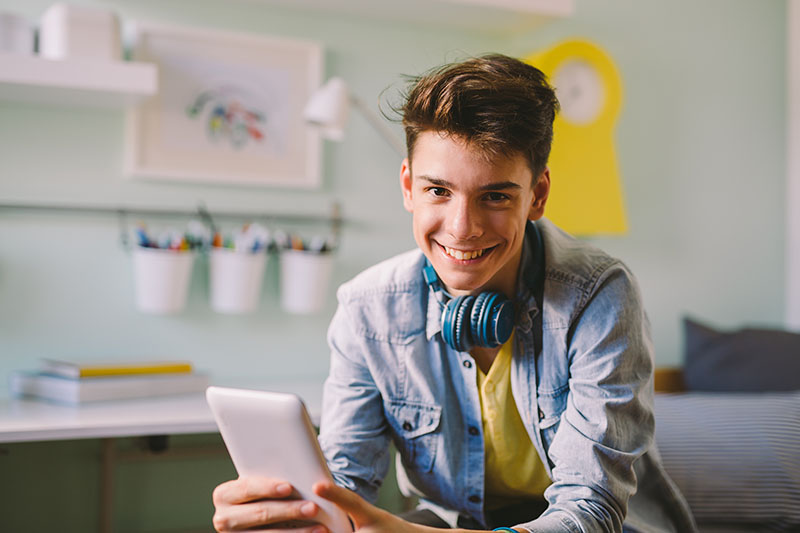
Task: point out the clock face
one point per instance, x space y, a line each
580 91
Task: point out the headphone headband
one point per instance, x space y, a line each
431 278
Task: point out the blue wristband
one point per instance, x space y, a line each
504 529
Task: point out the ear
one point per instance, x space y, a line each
540 193
405 185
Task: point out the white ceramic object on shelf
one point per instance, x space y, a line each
68 31
16 34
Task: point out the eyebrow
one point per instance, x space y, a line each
500 186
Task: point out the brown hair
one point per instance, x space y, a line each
495 102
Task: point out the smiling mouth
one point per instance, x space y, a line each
465 255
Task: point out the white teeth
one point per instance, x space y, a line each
461 255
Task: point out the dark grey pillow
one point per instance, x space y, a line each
747 360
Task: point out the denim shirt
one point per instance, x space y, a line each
581 378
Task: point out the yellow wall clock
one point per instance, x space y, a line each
586 191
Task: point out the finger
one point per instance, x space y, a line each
249 489
316 528
346 499
354 505
263 513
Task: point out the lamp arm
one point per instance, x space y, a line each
387 134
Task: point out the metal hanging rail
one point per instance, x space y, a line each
334 219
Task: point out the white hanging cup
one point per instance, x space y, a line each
305 277
236 279
162 279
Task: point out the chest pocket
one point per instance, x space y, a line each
414 426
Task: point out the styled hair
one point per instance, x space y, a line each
494 102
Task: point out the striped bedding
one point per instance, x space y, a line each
735 456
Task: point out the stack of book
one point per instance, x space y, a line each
76 383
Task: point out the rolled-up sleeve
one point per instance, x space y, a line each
608 422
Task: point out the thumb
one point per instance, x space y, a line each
359 510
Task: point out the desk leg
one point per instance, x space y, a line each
106 510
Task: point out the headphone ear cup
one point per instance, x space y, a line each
478 319
486 321
461 333
500 322
492 319
454 329
447 323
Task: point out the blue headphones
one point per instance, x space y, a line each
485 320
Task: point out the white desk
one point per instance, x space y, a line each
27 420
24 420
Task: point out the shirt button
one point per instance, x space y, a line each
473 431
467 363
474 498
407 426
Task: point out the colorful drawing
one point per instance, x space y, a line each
229 108
227 117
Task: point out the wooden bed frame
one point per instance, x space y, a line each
669 379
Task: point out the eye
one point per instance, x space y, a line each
437 191
496 196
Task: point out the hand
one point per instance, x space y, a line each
250 502
368 518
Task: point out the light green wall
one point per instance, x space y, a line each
65 282
700 141
701 147
66 285
701 144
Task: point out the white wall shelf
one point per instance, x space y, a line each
489 16
75 82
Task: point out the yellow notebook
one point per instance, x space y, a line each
75 369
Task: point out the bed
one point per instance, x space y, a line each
728 428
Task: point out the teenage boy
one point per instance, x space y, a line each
510 364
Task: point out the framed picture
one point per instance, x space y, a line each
229 108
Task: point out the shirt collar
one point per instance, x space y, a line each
530 278
434 323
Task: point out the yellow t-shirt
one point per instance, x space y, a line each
514 471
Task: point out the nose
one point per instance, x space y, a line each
464 221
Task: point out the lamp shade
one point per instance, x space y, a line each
328 109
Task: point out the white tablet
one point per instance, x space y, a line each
270 434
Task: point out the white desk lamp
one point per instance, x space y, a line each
329 108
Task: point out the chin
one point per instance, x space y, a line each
462 284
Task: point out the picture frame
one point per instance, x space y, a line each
229 108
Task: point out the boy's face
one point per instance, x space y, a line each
470 212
